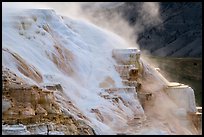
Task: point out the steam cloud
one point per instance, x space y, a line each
96 13
148 16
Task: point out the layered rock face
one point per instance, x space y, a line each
37 109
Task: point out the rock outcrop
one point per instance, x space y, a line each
182 95
36 108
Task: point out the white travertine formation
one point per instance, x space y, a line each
183 96
125 55
6 104
14 130
41 47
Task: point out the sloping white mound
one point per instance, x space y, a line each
42 47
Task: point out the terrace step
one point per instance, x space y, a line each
199 109
183 96
130 83
124 70
125 56
14 130
125 97
53 87
197 120
119 89
144 97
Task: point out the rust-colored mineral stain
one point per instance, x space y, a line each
63 59
26 69
107 83
98 114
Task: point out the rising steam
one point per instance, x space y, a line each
96 13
